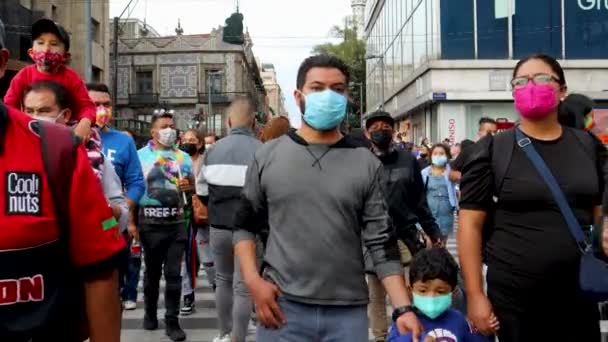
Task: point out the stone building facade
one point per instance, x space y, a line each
196 76
276 98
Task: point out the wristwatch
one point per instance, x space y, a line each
402 310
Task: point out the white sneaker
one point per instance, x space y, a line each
130 305
225 338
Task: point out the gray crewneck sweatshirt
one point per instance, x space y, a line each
320 204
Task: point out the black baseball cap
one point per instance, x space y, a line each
379 116
48 26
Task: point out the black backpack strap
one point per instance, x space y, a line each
58 146
503 145
588 141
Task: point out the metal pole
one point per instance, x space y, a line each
563 4
115 62
88 50
361 97
382 76
510 27
475 33
211 118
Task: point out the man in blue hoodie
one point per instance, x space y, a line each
120 149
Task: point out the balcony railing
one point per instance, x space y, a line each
143 99
137 126
219 98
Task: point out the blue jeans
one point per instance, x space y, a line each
130 278
322 323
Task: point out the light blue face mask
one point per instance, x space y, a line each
325 110
432 307
439 161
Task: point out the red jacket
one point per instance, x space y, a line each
81 104
38 260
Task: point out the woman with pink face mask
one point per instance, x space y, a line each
509 218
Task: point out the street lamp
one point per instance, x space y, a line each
381 58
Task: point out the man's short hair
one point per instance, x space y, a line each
160 115
486 120
434 263
62 96
99 87
321 61
241 111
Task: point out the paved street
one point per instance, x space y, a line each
200 326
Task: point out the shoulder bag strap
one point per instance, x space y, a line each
539 164
58 146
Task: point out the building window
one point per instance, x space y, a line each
215 80
25 43
457 29
96 74
144 82
144 117
95 30
217 123
26 3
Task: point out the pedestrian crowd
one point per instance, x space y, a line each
304 230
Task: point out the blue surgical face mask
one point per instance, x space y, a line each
439 161
432 307
324 110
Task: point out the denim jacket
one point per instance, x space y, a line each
451 185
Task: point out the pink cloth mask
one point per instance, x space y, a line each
535 101
49 60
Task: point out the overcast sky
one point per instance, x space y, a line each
283 31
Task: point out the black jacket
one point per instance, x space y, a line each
406 199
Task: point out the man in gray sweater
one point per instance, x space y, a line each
321 198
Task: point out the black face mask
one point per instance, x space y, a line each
191 149
382 138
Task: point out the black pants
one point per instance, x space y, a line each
541 310
163 245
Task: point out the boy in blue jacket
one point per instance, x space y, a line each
434 276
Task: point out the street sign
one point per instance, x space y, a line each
441 96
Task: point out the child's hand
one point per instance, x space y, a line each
494 324
83 129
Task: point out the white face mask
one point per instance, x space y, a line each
207 146
167 136
48 118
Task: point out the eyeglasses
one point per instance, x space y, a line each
520 82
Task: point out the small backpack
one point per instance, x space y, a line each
58 146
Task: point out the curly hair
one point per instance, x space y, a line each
275 128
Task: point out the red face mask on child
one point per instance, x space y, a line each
49 60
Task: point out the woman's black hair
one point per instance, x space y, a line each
444 147
573 110
550 61
200 137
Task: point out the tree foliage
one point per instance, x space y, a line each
352 51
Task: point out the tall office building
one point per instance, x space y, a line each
447 63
